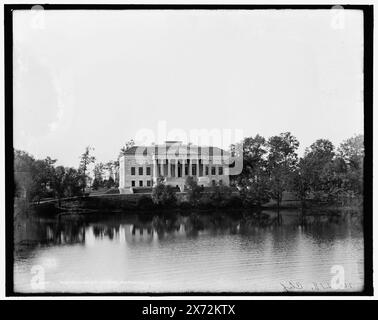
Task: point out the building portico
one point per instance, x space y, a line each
172 162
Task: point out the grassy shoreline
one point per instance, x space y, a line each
130 205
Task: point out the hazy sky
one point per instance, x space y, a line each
98 77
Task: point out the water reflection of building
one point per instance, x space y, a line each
139 233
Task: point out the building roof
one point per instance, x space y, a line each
176 149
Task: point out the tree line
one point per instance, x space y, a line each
36 179
270 167
324 173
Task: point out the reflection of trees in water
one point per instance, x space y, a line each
337 217
140 228
66 232
258 220
33 232
29 231
326 226
320 225
191 225
101 231
218 223
194 224
139 233
135 229
166 224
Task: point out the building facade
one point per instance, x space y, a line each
172 162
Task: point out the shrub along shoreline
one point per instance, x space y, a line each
145 204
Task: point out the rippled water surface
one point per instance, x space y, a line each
196 252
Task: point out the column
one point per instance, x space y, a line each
162 169
124 174
183 168
197 168
176 168
155 173
169 168
190 167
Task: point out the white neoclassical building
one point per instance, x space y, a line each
141 166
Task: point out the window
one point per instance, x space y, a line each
213 171
186 170
148 169
148 183
140 183
207 171
220 182
133 171
141 171
133 183
194 169
220 171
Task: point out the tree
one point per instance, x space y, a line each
35 178
255 194
72 182
116 172
325 174
352 152
109 183
58 183
32 177
315 170
95 184
281 164
253 181
109 167
194 190
127 146
98 175
24 173
44 171
220 195
112 167
145 203
85 160
163 195
66 182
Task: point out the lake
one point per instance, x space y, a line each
195 252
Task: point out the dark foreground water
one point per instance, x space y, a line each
197 252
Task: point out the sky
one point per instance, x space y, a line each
100 78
